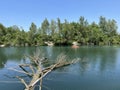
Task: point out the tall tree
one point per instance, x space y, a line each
45 27
53 27
83 22
112 27
33 28
83 30
94 34
103 24
2 33
31 33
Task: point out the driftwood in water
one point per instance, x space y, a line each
38 72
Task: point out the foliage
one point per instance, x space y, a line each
62 33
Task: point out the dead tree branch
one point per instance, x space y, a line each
38 72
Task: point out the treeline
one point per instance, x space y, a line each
62 33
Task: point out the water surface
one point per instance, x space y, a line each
99 68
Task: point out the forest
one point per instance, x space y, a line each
62 33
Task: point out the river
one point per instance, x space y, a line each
99 68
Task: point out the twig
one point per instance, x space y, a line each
29 74
22 80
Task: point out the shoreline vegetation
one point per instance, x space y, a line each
57 33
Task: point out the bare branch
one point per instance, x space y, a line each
32 69
23 81
29 74
27 65
38 73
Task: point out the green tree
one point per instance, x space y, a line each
65 32
45 27
53 27
2 33
31 34
83 30
103 33
112 27
103 24
94 34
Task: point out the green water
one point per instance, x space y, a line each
98 70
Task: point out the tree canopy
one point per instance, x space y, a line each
62 33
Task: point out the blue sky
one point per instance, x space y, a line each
23 12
